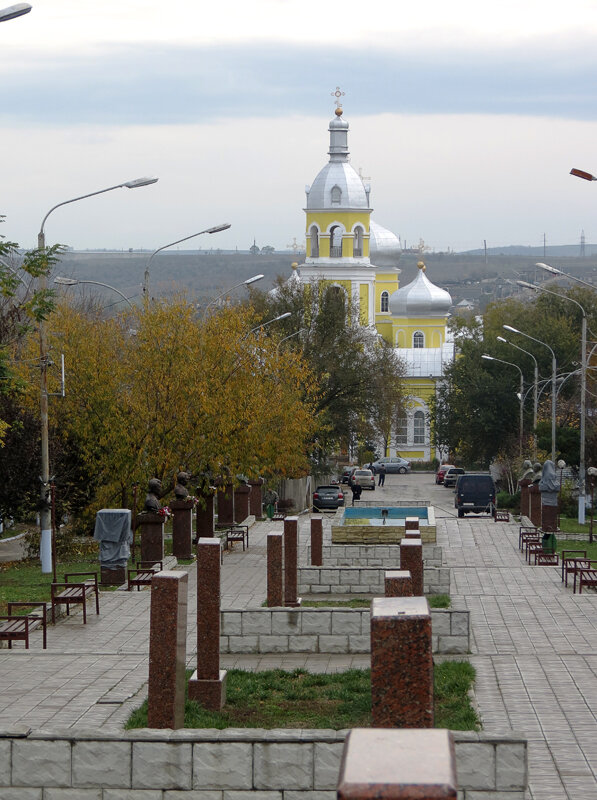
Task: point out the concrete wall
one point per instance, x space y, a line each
373 555
363 580
233 764
327 630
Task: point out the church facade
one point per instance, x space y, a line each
347 249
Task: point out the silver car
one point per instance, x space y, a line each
392 464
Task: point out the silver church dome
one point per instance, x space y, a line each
420 298
384 246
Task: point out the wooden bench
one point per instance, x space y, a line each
570 555
142 575
586 577
234 533
17 628
531 547
546 559
500 515
526 532
68 593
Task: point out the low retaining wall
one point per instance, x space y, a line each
327 630
13 548
221 765
373 555
364 580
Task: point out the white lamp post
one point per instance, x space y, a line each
45 515
553 385
535 389
14 11
75 282
296 333
269 322
520 422
215 229
248 282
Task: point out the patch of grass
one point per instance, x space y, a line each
434 600
577 544
571 525
439 600
300 699
24 580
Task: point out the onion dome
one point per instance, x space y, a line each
338 185
384 246
420 298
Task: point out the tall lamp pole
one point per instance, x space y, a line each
75 282
45 510
583 390
521 420
553 385
215 229
535 389
248 282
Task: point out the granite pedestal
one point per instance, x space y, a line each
151 532
317 541
112 576
242 496
290 561
226 504
398 583
401 663
275 581
398 765
411 559
525 508
167 649
182 528
208 683
205 515
549 518
256 498
414 533
411 524
535 504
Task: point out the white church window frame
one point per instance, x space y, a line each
314 236
357 246
401 431
336 234
384 302
418 340
336 195
419 427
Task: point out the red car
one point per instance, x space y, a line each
439 475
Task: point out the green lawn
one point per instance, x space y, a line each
300 699
434 600
24 580
577 544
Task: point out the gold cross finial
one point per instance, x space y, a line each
338 94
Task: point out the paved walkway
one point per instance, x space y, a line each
533 647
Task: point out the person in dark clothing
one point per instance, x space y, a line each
382 475
356 491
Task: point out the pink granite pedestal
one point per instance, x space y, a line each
525 508
182 528
317 541
401 663
535 504
225 504
549 518
151 527
411 524
398 765
112 576
291 562
242 495
412 534
275 580
167 649
208 683
411 559
205 515
398 583
256 498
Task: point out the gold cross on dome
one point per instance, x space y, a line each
338 94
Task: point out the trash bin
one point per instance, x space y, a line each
549 542
114 534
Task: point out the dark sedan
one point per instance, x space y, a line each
327 498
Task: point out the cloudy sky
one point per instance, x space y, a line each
466 116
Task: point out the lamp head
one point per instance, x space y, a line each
510 328
14 11
489 358
140 182
282 316
501 339
66 281
527 285
580 173
547 268
254 279
218 228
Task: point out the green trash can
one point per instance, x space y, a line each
549 542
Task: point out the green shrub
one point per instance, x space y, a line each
568 502
425 466
507 500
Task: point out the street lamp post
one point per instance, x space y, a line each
75 282
535 389
45 512
296 333
248 282
521 420
269 322
215 229
583 388
553 385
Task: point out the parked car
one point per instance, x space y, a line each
452 476
364 478
440 474
346 473
327 498
475 494
392 464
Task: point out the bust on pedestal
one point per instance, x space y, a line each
151 524
549 488
182 522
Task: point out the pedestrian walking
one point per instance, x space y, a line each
356 491
382 475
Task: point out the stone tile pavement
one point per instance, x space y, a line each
533 647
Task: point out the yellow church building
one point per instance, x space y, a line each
346 248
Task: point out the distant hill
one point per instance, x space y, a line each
557 251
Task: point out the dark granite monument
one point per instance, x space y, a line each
411 560
291 561
114 534
317 541
275 580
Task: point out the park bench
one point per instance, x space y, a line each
17 628
233 533
572 567
586 574
143 574
68 593
501 515
570 555
526 532
546 559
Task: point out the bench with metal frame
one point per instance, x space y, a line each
526 532
233 533
143 574
587 576
501 515
567 557
68 593
543 559
17 628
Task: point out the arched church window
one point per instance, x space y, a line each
336 195
419 427
385 301
357 247
402 431
336 242
314 242
418 339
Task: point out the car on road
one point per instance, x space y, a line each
452 476
327 498
346 473
440 474
475 494
364 478
393 464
